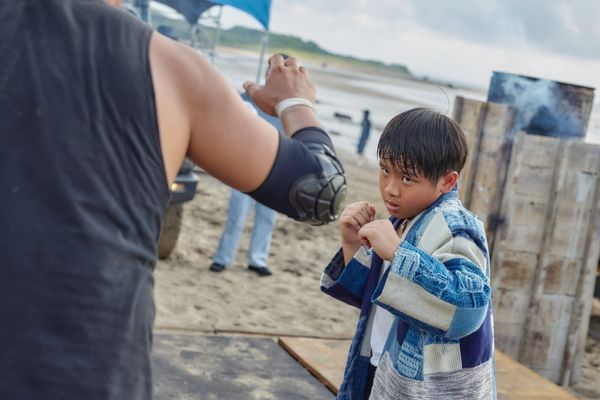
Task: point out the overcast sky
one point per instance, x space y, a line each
459 40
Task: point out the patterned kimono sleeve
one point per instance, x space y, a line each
440 285
347 282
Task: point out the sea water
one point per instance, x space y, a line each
350 93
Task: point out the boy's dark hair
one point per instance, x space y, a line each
423 141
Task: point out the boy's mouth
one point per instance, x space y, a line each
392 207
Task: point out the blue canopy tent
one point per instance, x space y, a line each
190 9
259 9
193 9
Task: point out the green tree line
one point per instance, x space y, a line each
247 38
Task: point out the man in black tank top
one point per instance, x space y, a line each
96 115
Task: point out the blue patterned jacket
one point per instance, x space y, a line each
437 287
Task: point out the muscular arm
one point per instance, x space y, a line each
200 115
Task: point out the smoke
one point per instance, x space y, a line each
543 106
528 97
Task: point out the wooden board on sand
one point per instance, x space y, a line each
325 359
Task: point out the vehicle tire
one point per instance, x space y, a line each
170 230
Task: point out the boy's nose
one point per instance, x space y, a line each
392 190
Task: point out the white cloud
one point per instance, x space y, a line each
459 40
300 10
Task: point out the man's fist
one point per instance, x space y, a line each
286 78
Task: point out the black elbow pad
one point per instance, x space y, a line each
307 181
318 197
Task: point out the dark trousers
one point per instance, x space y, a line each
370 378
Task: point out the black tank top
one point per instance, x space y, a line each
82 194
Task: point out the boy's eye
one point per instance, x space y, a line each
407 179
384 171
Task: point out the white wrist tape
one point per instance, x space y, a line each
292 101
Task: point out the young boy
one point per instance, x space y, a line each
421 278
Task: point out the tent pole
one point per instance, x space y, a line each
217 34
143 7
265 41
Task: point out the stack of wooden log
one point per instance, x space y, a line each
539 198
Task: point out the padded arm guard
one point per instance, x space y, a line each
307 181
318 197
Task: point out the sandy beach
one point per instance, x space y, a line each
189 297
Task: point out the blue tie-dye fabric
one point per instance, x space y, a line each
458 282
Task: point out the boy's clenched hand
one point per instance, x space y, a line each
381 236
354 216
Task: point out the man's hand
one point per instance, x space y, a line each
286 78
381 236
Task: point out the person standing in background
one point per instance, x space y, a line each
364 133
237 212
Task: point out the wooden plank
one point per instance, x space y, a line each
543 349
576 342
587 281
510 307
554 311
524 204
518 234
533 337
516 270
525 198
548 211
525 210
579 324
513 236
539 151
545 346
515 381
572 218
508 337
491 165
497 128
469 114
579 185
483 187
326 360
532 181
584 157
542 228
562 275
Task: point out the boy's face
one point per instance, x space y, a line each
405 194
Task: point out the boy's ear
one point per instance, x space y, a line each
448 181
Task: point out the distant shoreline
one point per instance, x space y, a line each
248 40
342 68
